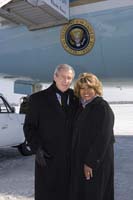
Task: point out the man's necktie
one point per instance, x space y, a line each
64 98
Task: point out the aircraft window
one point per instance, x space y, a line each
4 108
23 88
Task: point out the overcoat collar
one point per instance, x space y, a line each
53 100
84 111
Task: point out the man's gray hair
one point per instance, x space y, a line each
64 67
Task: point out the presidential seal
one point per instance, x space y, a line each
77 37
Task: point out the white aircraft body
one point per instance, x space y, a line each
97 39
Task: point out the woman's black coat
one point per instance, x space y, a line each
49 127
93 145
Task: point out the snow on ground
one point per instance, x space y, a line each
123 119
17 172
16 175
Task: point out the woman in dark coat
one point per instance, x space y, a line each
92 174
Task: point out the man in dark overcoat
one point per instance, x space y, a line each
24 105
47 129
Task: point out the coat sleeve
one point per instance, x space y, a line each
31 126
102 127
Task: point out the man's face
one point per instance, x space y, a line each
63 79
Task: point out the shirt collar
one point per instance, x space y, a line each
84 103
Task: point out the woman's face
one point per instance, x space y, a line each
86 92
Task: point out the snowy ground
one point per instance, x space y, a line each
123 119
17 172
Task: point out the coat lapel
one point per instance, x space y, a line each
53 100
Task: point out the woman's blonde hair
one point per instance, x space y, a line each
91 80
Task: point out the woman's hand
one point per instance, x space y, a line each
88 172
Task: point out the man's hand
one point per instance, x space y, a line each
41 157
88 172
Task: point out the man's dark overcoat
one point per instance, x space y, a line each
48 126
93 145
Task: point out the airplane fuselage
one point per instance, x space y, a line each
36 53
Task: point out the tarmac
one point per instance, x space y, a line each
124 167
17 172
